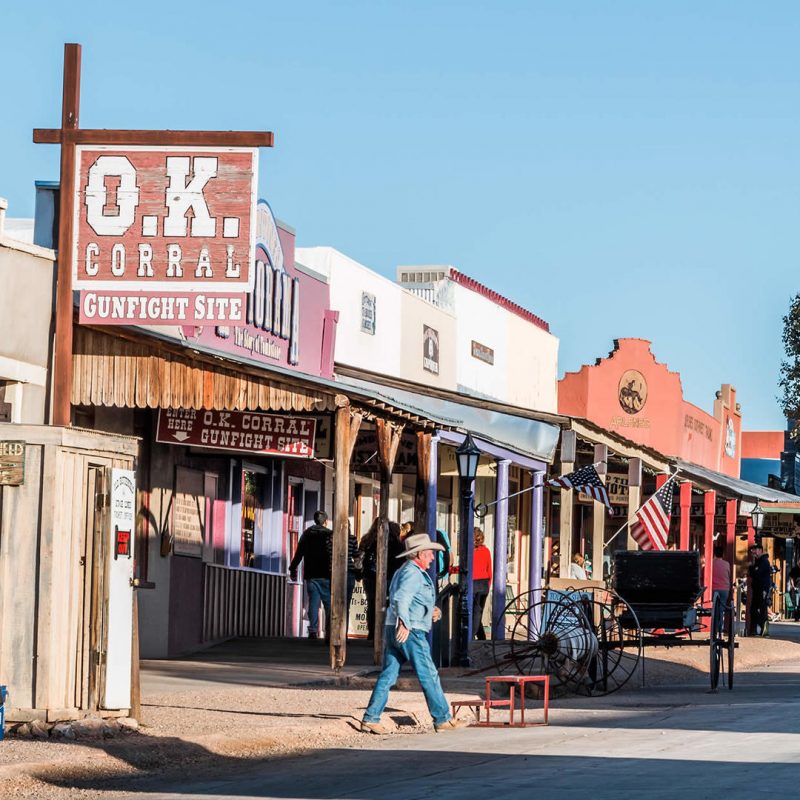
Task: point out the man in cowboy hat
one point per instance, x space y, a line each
412 610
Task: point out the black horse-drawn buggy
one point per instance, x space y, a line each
590 639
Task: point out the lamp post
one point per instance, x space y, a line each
467 456
757 515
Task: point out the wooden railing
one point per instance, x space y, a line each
242 602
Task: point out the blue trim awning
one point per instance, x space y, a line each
524 441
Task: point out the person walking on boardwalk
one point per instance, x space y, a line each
411 613
314 550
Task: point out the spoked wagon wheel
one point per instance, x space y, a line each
716 644
731 642
619 641
547 637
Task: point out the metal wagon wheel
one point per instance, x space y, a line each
731 643
722 644
716 644
546 637
619 641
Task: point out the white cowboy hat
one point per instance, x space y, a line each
416 543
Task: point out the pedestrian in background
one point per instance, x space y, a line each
576 568
759 584
314 550
411 614
720 580
481 583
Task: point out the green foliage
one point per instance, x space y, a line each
789 382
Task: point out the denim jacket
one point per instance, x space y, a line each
412 598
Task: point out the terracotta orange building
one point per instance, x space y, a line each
642 399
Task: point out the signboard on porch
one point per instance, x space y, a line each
617 488
238 431
12 463
164 235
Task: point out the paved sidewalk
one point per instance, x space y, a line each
254 662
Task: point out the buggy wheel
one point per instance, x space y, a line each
715 644
731 644
619 641
546 637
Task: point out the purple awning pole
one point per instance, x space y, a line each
536 546
500 575
430 514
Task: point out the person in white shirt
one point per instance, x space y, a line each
576 570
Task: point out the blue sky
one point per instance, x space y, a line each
620 168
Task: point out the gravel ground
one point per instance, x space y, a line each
223 728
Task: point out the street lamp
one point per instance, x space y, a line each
757 515
467 457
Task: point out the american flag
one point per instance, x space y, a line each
584 480
651 526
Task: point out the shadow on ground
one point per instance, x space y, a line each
388 774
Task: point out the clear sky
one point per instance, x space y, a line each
620 168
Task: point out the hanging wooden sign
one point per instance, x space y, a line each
12 463
163 234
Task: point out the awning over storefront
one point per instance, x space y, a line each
530 437
748 493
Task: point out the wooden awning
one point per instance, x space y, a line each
125 370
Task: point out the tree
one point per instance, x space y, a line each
790 367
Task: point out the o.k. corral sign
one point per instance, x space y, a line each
239 431
164 235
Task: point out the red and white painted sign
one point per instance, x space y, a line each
240 431
162 231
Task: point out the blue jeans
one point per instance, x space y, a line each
319 591
416 650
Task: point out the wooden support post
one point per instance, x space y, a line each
62 364
388 436
731 512
347 424
709 506
423 478
600 512
568 444
136 689
634 496
686 513
751 532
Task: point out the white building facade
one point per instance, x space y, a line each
437 327
27 275
503 351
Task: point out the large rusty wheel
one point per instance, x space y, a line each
619 641
588 642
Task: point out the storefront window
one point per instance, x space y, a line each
252 515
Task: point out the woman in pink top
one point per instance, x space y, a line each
720 576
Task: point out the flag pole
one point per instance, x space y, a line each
628 522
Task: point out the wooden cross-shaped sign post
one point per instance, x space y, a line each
216 260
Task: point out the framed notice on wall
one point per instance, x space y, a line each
189 512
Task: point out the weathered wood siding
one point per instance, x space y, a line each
44 597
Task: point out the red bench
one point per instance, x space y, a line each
516 685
